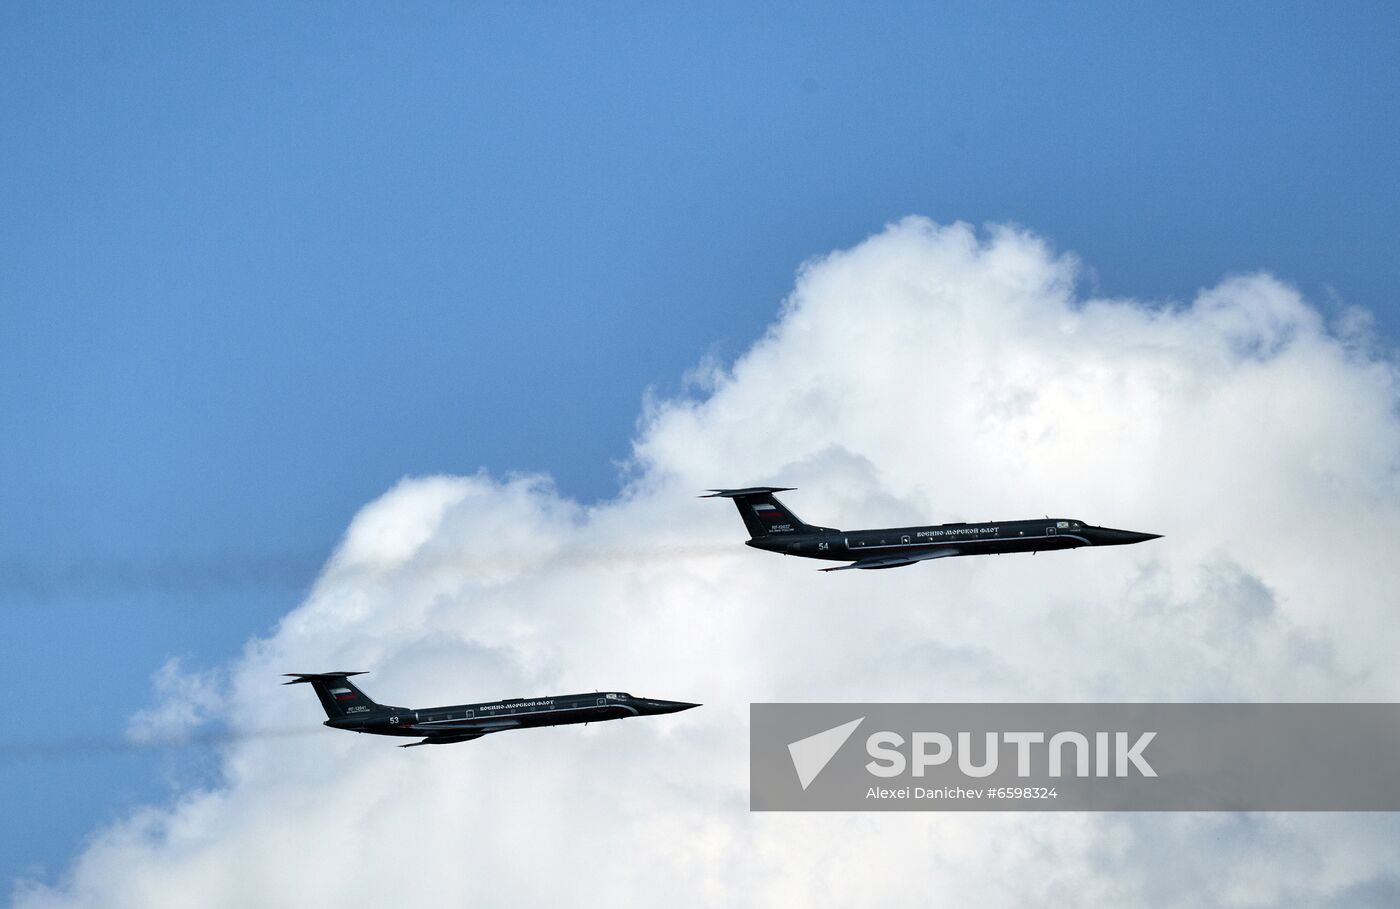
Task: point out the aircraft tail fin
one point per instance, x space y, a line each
339 696
763 514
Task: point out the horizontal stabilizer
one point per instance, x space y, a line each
896 561
317 676
750 491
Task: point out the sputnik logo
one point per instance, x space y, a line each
811 755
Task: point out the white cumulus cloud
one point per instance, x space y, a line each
186 701
929 373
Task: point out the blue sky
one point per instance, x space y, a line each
258 264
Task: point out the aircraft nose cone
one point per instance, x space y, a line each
654 707
1107 536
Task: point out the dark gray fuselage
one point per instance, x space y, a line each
466 721
989 538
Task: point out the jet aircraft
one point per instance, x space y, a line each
347 707
773 527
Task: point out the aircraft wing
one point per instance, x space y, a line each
445 739
497 726
466 726
898 561
447 735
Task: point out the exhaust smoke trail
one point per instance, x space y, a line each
37 582
97 747
34 583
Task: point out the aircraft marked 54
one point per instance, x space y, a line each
895 547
